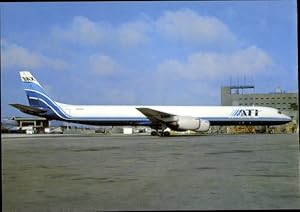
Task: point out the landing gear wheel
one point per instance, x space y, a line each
167 133
153 133
161 134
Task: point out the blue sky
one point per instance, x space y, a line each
147 53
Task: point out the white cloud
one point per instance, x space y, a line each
18 57
87 32
188 26
103 64
182 25
207 65
13 55
133 33
82 30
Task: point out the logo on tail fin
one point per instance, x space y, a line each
27 77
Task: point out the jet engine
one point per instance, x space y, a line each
184 123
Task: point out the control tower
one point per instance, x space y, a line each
227 91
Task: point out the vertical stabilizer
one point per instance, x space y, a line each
33 89
38 98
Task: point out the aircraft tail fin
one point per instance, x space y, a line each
36 95
39 99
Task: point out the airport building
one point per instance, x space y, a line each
28 124
286 102
36 122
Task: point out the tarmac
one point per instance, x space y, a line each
95 173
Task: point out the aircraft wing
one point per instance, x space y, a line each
28 109
157 116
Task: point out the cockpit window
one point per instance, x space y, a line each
279 112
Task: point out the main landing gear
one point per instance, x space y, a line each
160 133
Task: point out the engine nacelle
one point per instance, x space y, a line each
204 125
184 123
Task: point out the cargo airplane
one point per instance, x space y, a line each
160 118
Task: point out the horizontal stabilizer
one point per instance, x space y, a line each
28 109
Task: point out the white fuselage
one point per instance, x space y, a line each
80 111
214 114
